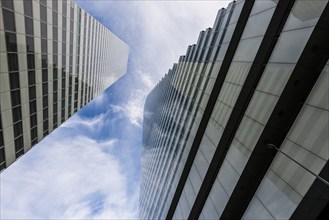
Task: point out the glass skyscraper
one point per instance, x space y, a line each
55 58
238 128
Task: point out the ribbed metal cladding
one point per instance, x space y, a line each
242 85
55 58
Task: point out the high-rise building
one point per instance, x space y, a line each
55 58
239 127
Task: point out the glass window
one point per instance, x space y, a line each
33 120
29 44
18 129
43 13
55 34
19 144
45 101
28 7
43 30
45 125
9 20
2 154
17 114
29 26
45 113
31 77
12 62
7 4
32 93
44 75
14 80
33 106
15 98
44 61
30 61
44 46
11 42
44 88
55 5
34 133
54 18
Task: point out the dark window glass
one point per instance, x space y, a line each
55 85
30 61
17 114
44 88
43 13
35 141
31 77
44 61
14 80
29 44
33 120
64 7
54 18
43 30
2 154
20 152
45 133
55 71
55 108
55 5
9 20
64 39
11 42
45 125
29 26
44 75
45 113
32 93
55 34
44 46
71 13
28 7
45 101
18 129
55 60
7 4
15 98
19 144
12 62
55 47
33 107
63 96
34 133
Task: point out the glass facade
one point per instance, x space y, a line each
48 71
198 157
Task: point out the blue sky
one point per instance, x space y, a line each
89 167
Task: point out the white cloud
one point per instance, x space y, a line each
72 177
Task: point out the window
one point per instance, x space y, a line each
17 114
29 44
44 75
28 7
12 62
44 46
34 133
14 80
31 77
45 113
55 5
30 61
54 18
8 20
45 101
18 129
11 42
33 120
33 107
15 98
32 93
7 4
19 144
43 13
29 26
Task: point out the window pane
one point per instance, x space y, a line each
11 42
19 144
44 46
32 93
12 62
28 7
14 80
29 26
43 13
29 44
15 98
30 61
45 101
33 120
44 75
33 107
43 30
7 4
17 115
31 77
9 20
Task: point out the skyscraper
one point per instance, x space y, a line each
55 58
239 127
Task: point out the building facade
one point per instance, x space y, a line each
55 58
238 128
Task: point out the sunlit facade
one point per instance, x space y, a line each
238 128
55 58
